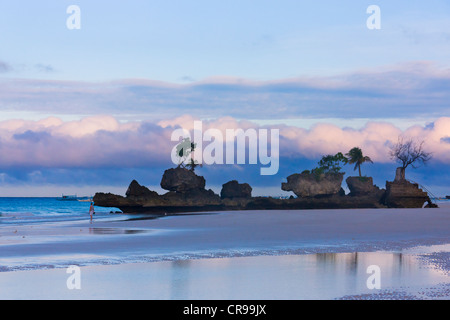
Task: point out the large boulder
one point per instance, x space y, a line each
111 200
360 186
181 180
404 194
311 185
234 189
191 198
137 192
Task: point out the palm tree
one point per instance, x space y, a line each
356 156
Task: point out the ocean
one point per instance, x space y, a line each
22 210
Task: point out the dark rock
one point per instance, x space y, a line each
140 199
364 187
234 189
111 200
136 191
431 205
404 194
311 185
359 186
191 198
187 193
181 180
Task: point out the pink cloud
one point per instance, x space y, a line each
103 141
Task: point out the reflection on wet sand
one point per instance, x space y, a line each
180 279
349 261
113 231
310 276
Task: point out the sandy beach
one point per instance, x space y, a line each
226 150
231 255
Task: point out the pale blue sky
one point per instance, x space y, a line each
180 41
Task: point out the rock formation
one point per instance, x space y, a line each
234 189
181 180
311 185
137 192
360 185
193 200
404 194
187 193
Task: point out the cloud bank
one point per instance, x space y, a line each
412 90
102 150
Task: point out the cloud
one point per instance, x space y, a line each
44 68
39 67
100 150
92 142
413 90
103 141
5 67
187 79
32 136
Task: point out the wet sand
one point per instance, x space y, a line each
129 259
287 277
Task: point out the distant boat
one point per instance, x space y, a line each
68 198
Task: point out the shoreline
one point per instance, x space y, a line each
232 255
219 234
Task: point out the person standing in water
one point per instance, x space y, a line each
91 210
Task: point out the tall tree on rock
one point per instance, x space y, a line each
355 156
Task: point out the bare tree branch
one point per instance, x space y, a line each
410 153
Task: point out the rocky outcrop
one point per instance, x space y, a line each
137 192
311 185
181 180
404 194
234 189
111 200
187 193
360 185
206 200
192 198
364 187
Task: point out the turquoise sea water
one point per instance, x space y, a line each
19 210
32 210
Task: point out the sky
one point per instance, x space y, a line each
90 109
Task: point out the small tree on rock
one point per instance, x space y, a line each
184 150
409 153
